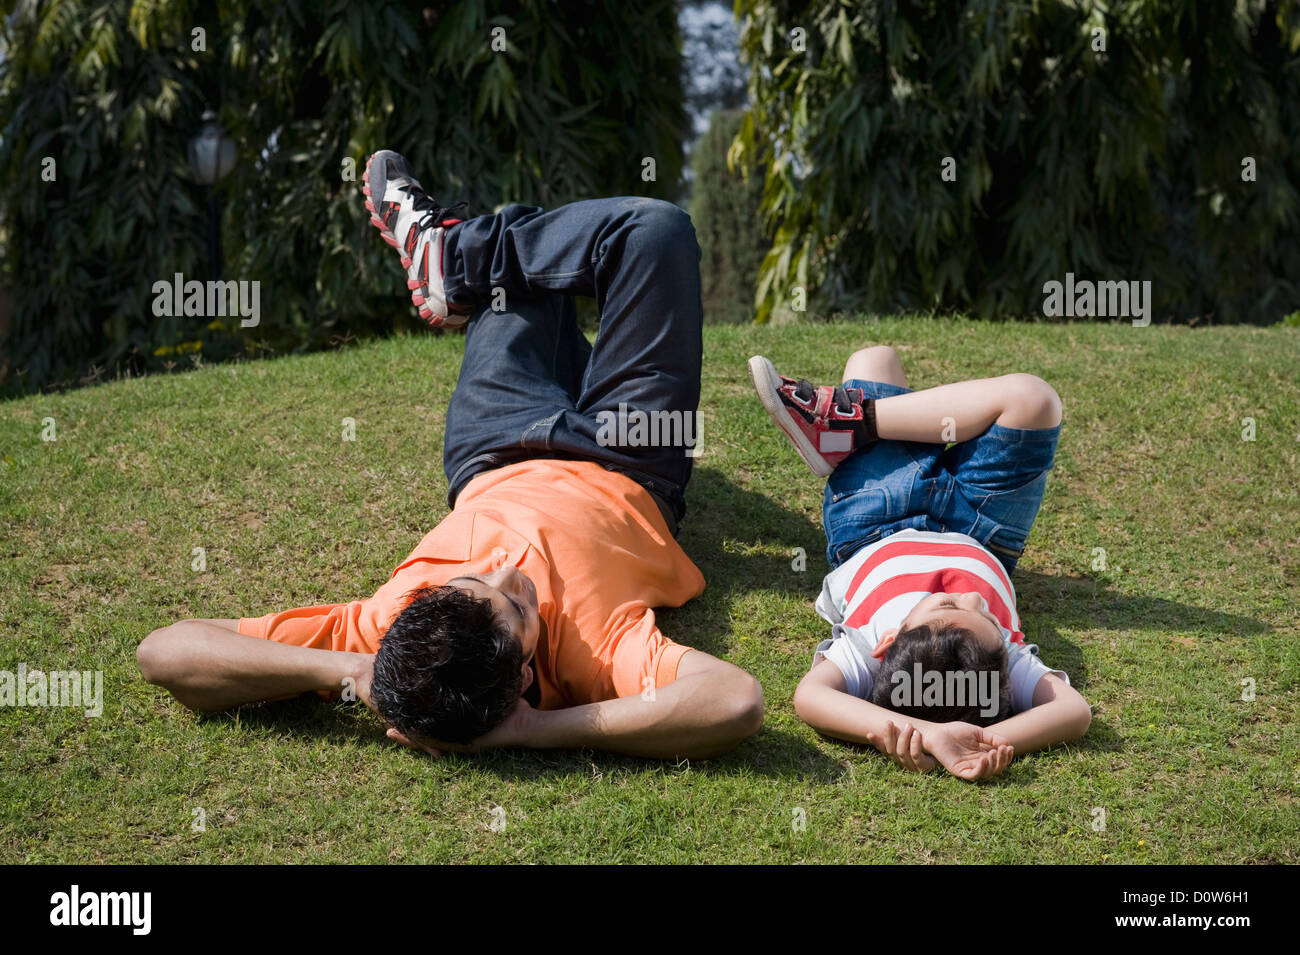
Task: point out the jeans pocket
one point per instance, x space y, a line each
856 519
862 507
841 549
1005 544
1004 518
1014 509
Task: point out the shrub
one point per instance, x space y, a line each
1119 163
728 222
579 94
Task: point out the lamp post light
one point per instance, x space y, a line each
212 155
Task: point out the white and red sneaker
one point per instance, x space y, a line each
412 223
825 424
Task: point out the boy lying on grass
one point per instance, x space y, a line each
926 660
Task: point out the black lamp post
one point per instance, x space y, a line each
212 155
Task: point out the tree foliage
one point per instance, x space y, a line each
725 207
1122 163
579 96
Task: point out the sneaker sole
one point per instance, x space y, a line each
388 158
768 385
392 161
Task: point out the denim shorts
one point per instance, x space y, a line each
989 487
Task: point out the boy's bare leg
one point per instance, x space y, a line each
828 424
877 363
966 409
955 412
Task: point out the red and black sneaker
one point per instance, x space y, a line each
412 223
826 423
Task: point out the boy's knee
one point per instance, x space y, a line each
875 354
1032 402
874 363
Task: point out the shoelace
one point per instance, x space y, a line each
434 214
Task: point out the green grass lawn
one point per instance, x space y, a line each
1198 594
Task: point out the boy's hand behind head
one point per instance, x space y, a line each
905 745
967 751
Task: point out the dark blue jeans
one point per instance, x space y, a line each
530 385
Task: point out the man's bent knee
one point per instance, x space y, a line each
662 221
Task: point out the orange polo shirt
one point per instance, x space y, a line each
591 540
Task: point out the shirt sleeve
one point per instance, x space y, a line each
830 601
352 626
859 671
356 626
641 657
1025 671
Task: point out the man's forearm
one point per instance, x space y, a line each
209 667
691 718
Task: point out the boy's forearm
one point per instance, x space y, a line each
1058 721
847 717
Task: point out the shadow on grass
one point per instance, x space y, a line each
726 520
774 752
1088 603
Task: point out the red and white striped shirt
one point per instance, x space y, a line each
874 590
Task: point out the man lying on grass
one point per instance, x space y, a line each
524 618
926 660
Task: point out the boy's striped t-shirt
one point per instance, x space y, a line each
874 590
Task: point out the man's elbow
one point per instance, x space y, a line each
749 719
743 716
156 658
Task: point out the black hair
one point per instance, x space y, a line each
449 668
952 650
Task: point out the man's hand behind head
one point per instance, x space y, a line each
449 668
